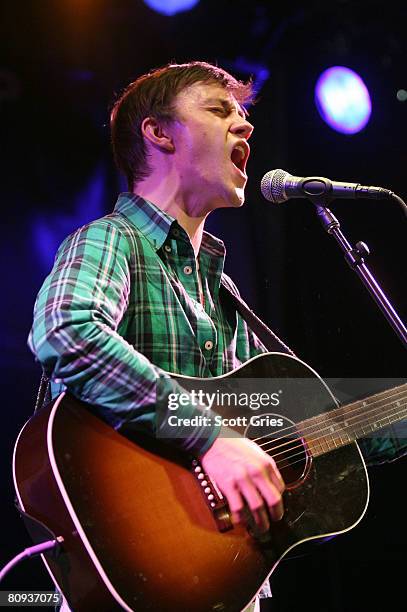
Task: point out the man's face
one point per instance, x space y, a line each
210 139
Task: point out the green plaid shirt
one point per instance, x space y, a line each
120 309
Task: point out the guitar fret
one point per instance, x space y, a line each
346 424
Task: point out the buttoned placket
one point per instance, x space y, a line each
200 286
189 271
210 342
167 303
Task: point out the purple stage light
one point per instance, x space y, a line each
343 100
171 7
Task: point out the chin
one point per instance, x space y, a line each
237 198
231 198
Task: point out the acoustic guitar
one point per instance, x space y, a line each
144 528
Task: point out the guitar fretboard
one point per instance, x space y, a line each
345 424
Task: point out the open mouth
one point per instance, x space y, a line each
239 156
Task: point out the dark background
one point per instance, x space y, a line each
61 63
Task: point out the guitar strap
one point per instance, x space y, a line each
264 333
43 393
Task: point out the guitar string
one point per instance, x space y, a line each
326 415
329 433
301 446
328 428
397 391
316 441
279 462
318 438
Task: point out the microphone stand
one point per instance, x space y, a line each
354 256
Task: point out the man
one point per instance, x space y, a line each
136 294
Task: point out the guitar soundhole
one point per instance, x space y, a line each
278 437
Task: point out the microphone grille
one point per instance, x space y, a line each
272 186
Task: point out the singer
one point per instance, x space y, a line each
138 293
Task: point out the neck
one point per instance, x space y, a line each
186 211
345 424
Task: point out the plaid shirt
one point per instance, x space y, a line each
121 309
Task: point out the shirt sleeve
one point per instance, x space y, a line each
386 445
74 336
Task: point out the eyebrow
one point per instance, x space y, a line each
227 105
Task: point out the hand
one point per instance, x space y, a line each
246 475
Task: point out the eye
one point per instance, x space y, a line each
218 109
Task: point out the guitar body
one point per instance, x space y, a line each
138 531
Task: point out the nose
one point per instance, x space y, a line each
241 127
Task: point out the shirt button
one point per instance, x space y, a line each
209 345
167 248
187 270
175 232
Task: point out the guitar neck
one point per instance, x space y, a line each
348 423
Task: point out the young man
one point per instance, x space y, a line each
136 294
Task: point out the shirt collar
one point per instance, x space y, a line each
155 224
150 220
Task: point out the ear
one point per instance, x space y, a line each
157 134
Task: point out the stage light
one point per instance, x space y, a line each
171 7
342 100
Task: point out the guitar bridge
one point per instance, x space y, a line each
213 497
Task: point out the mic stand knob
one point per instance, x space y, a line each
360 252
355 259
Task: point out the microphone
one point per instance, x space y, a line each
277 186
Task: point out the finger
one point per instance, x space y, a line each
235 503
277 511
275 476
261 518
255 504
271 494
